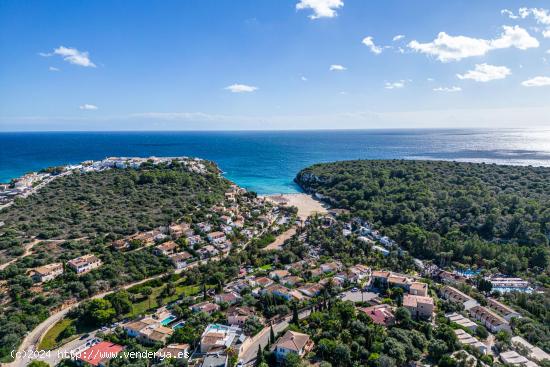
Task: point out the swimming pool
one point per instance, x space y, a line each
179 325
168 320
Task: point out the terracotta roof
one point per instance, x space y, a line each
293 341
99 352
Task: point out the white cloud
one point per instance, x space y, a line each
430 79
541 16
241 88
336 67
538 81
88 107
509 14
446 48
395 85
515 37
72 55
304 79
368 41
52 68
398 37
452 89
320 8
485 73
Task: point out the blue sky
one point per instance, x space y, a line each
266 64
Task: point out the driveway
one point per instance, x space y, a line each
358 296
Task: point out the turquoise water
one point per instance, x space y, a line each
168 320
267 161
179 325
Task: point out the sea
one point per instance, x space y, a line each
267 161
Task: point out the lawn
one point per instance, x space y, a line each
141 308
52 338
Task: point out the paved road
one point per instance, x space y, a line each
33 338
249 355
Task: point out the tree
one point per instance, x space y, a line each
271 335
481 332
484 286
121 302
259 356
98 312
292 360
295 318
403 317
436 349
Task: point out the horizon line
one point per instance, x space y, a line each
275 130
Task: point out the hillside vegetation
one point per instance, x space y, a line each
118 201
483 215
87 212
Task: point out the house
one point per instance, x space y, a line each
177 230
418 289
380 314
332 267
380 278
193 240
466 339
311 289
99 354
399 281
292 342
263 282
160 334
176 351
419 306
358 273
217 337
179 260
456 296
229 297
205 227
535 353
148 331
515 359
278 274
166 248
450 278
216 237
461 321
206 307
291 280
279 291
208 251
225 219
121 245
239 315
490 319
47 272
502 309
84 264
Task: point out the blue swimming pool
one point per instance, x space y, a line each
168 320
179 325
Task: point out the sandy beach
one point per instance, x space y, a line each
305 203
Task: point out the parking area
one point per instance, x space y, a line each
355 295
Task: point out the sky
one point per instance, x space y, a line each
273 64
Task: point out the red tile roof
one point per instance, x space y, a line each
100 352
